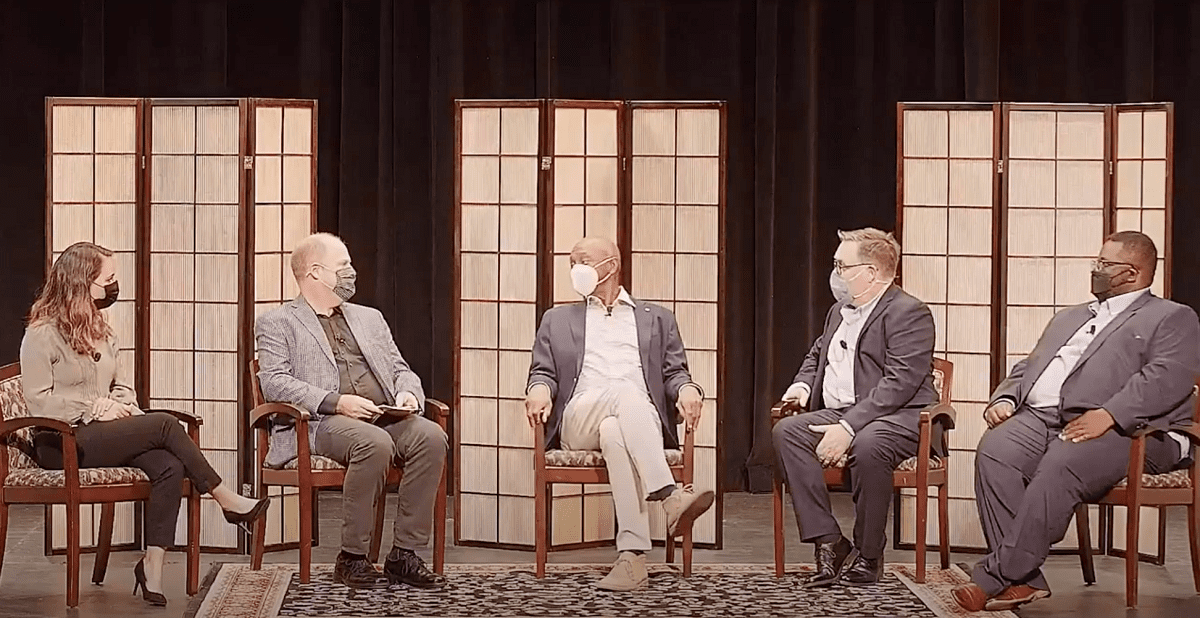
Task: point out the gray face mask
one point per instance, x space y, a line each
344 288
837 285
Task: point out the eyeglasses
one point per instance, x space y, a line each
840 267
1098 265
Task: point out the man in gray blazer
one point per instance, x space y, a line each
1060 423
866 379
338 361
607 375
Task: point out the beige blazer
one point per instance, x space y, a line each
60 383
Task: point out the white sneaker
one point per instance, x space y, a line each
684 506
628 573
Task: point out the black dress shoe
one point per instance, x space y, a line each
405 567
830 557
357 572
863 571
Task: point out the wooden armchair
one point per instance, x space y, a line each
1178 487
587 467
918 472
23 482
309 472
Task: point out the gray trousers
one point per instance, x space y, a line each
1028 483
417 443
874 454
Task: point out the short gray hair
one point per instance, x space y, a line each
310 251
875 246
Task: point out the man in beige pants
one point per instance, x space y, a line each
607 375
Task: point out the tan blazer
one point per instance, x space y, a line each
60 383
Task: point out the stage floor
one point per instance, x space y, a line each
33 585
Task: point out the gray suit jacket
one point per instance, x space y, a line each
558 359
1141 367
893 363
296 364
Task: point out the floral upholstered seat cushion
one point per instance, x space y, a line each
1175 479
40 477
595 459
910 464
316 461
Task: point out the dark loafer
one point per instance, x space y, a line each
830 558
862 572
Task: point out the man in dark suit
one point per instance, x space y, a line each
1060 423
607 375
866 379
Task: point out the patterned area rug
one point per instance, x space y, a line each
569 590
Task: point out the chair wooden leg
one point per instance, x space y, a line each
259 542
193 550
670 545
1132 523
1193 517
4 532
377 535
687 553
306 533
104 542
944 524
541 512
439 527
777 513
922 529
1083 530
73 555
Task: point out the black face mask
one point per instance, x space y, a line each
1102 284
111 291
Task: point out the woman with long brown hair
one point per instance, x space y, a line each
70 371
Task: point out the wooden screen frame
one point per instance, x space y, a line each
545 262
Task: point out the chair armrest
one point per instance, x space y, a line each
260 414
436 410
943 413
1191 431
186 418
782 409
16 424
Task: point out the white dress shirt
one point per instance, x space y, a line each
837 387
610 347
1046 391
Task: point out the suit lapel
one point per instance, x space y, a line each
645 330
578 323
363 337
888 296
308 318
1108 330
1058 338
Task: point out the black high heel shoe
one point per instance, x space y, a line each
139 581
243 520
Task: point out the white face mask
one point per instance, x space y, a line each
585 278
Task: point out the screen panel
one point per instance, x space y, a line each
497 193
193 197
947 202
91 195
1143 178
676 184
282 203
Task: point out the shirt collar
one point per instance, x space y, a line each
850 311
623 297
1116 304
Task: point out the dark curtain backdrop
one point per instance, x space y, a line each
811 86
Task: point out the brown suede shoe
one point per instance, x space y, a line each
1014 597
970 596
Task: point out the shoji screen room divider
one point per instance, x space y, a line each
202 200
1001 208
532 178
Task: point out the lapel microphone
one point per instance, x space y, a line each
96 356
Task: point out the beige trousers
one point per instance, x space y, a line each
622 422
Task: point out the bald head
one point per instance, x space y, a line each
313 250
595 249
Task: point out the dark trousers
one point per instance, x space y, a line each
874 454
1028 483
156 444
